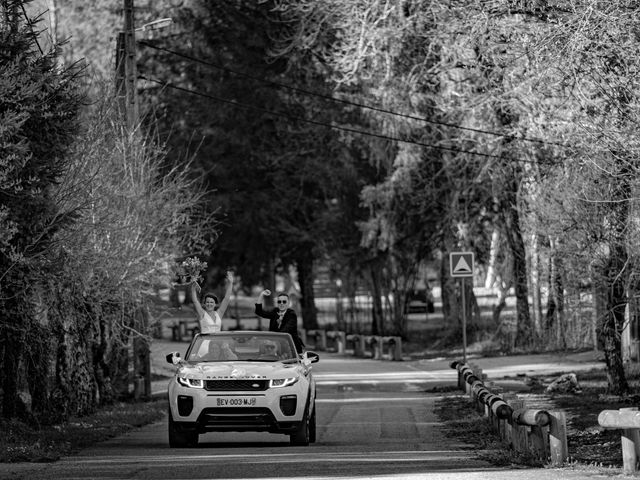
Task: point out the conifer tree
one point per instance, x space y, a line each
38 117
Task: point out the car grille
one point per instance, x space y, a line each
236 385
237 419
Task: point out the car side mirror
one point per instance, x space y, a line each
174 358
311 357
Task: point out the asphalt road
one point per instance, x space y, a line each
375 420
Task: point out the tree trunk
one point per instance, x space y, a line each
554 320
492 268
37 360
13 337
509 210
448 292
613 274
307 302
612 330
535 284
53 20
377 327
11 363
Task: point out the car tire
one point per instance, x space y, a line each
301 436
312 426
181 438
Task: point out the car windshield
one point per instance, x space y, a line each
225 347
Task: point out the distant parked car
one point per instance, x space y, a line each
419 301
242 381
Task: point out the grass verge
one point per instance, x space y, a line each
20 442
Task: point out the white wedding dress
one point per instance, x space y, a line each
210 325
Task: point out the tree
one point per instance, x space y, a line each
39 104
133 218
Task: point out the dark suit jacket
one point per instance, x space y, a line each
289 323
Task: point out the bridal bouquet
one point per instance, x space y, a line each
189 270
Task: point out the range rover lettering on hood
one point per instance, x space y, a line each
235 377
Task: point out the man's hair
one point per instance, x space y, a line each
210 295
282 294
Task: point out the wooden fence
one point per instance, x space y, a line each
538 432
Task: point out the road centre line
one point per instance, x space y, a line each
376 382
377 399
330 426
436 375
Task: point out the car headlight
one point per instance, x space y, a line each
283 382
190 382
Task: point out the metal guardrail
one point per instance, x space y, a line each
539 432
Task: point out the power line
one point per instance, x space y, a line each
347 102
314 122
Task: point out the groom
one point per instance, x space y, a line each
282 318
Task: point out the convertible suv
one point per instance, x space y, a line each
242 381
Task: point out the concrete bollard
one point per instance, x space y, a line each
376 347
341 341
321 340
395 347
358 345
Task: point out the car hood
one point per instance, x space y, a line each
231 371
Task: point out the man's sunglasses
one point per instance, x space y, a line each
282 301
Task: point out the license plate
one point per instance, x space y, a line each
236 402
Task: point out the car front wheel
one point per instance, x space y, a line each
181 438
312 427
301 436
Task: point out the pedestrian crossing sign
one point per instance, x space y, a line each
461 264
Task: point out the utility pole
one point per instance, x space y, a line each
126 72
138 354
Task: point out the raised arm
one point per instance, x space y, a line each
259 308
195 288
227 295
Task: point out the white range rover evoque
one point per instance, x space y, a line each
242 381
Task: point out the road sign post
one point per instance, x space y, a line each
461 265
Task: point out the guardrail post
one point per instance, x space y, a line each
477 371
539 440
519 438
630 445
558 438
460 379
507 428
467 385
494 420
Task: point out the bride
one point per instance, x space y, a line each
211 320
